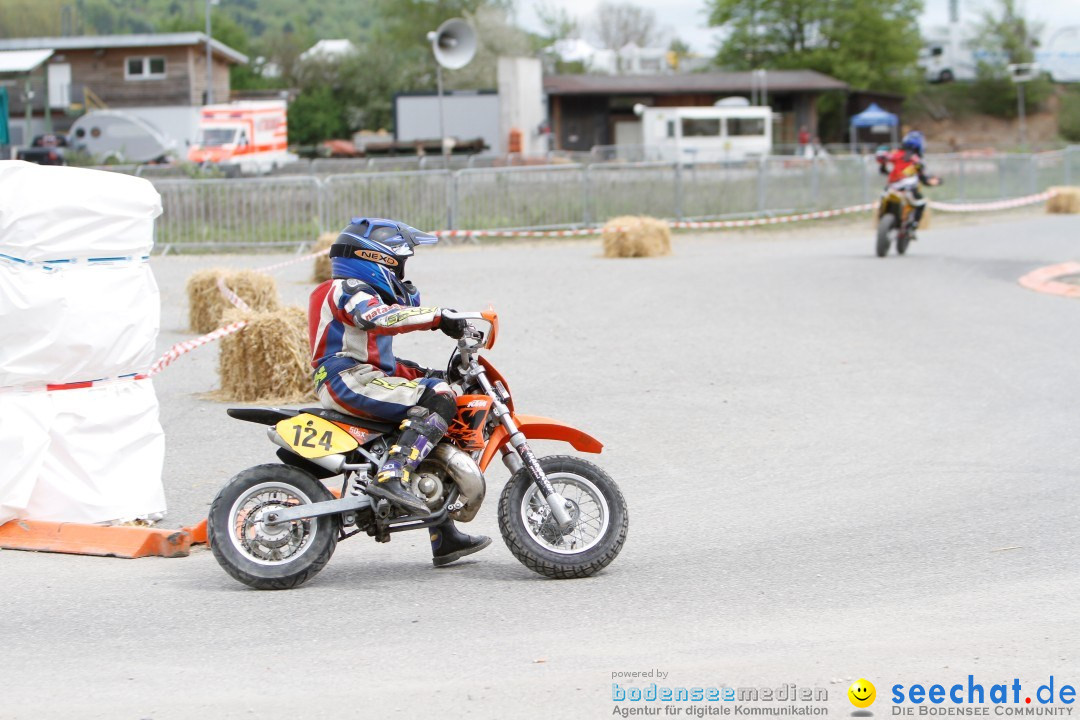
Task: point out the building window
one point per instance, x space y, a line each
700 127
144 68
745 126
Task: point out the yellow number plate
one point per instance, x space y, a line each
311 436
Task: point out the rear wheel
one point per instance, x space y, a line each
885 230
264 555
597 508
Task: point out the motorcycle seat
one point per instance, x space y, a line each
383 428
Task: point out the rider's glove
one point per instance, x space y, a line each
437 374
455 328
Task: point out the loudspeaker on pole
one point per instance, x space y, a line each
454 43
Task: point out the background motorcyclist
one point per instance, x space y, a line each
906 171
353 319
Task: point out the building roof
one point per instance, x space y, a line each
329 50
714 82
22 61
144 40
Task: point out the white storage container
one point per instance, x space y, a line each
88 455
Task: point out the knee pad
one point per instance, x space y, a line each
438 403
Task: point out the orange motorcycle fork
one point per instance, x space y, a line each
511 437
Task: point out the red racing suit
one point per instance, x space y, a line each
905 168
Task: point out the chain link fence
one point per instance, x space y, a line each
293 210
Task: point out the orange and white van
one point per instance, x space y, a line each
252 135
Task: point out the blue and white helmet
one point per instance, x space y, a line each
913 141
374 251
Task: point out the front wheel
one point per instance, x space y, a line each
903 238
598 510
264 555
885 228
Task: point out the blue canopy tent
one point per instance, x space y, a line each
873 117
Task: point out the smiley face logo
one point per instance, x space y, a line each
862 693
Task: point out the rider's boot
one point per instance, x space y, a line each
421 431
919 210
449 544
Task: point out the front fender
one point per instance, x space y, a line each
535 427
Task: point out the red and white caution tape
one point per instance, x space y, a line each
292 261
752 222
776 220
994 204
232 297
692 225
186 346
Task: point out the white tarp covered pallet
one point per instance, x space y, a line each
78 303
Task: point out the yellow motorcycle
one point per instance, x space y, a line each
896 217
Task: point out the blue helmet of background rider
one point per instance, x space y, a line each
914 142
374 251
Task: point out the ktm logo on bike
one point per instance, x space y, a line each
375 256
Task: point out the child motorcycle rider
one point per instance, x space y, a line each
353 321
906 170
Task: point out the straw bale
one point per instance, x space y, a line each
924 223
1064 200
207 306
269 361
322 262
636 236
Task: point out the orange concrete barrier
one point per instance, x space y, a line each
111 541
120 541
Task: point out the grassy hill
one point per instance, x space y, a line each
310 19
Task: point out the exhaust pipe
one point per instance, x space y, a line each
466 474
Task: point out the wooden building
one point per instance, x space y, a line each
590 110
143 71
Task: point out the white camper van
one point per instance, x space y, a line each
706 134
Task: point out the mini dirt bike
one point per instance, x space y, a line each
896 216
275 526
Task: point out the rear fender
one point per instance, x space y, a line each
535 427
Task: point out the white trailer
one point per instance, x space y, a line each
952 57
706 134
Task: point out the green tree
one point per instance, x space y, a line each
555 23
1006 37
225 29
865 43
618 23
29 18
316 115
1069 117
401 29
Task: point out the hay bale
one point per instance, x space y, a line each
322 262
636 236
1064 200
207 306
269 361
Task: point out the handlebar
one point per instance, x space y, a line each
488 316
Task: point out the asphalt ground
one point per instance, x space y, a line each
836 466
